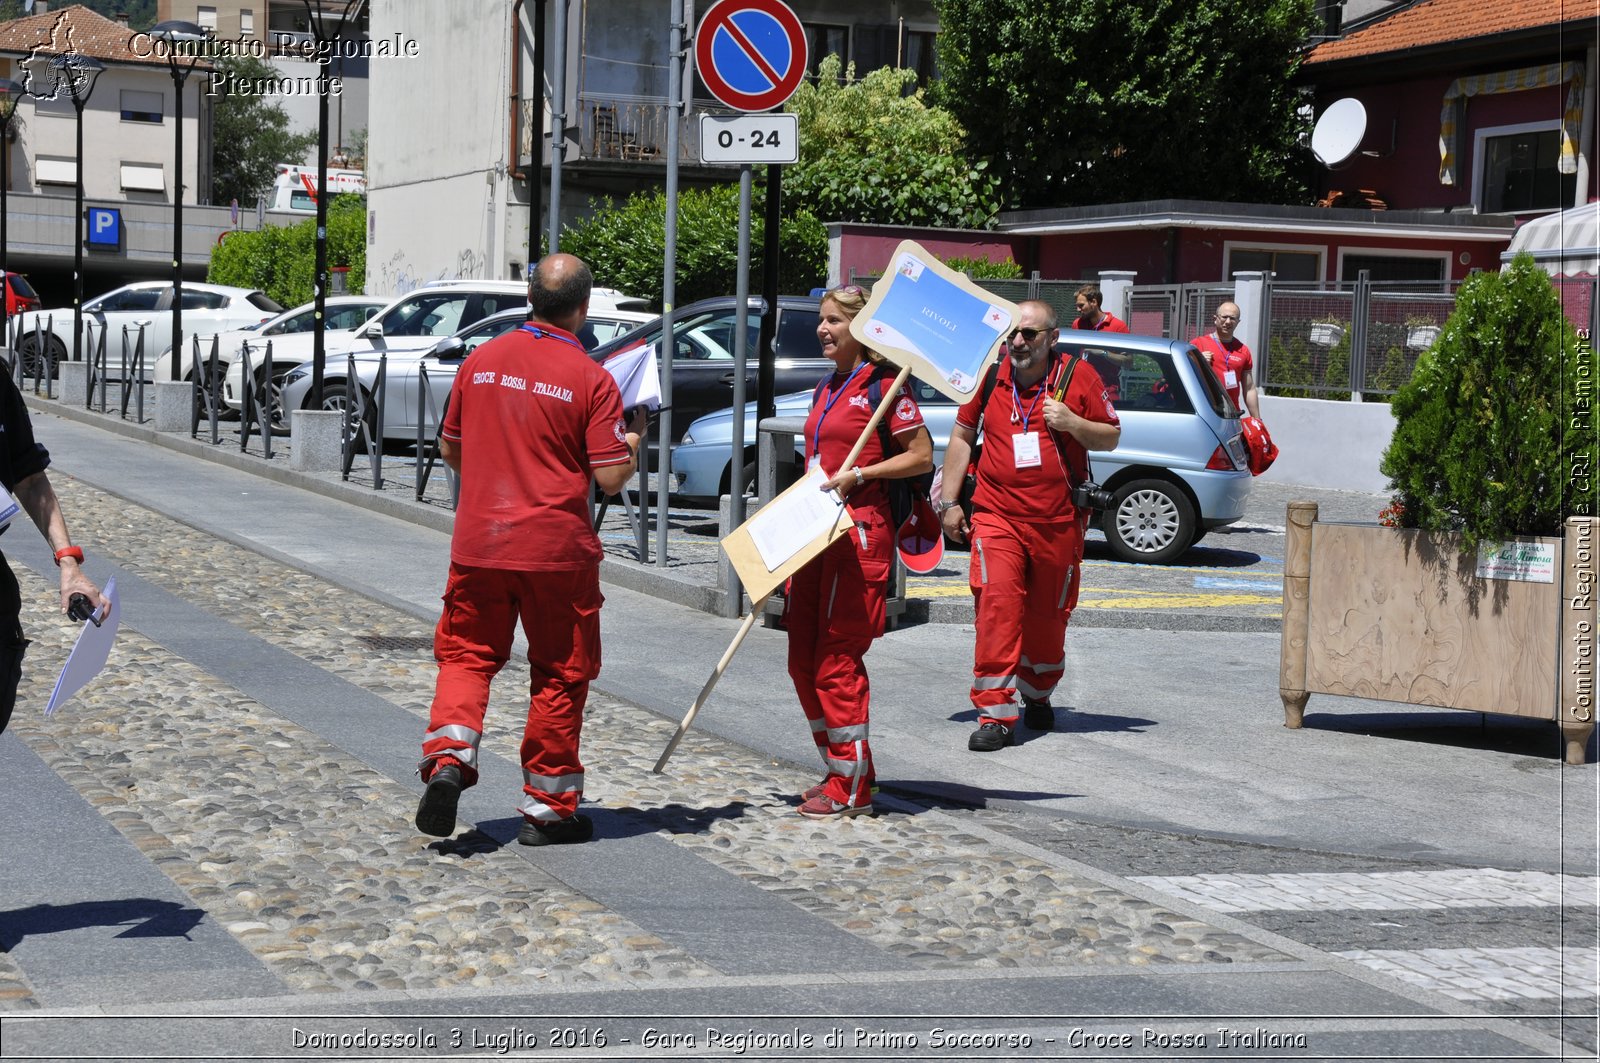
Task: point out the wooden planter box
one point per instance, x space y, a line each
1401 615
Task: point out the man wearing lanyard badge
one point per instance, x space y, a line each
531 421
1230 360
1027 538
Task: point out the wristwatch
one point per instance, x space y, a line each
944 504
74 552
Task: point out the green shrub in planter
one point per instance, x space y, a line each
1495 433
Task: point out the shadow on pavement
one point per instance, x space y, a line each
150 918
941 795
1461 729
1068 721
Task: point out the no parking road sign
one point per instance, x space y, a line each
751 54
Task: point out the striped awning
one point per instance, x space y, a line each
1565 244
1529 77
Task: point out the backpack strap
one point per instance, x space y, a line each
1062 385
990 378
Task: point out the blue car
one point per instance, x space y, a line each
1180 470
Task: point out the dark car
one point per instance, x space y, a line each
702 367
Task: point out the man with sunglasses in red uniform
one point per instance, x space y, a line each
1027 538
531 421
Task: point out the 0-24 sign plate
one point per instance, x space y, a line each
749 138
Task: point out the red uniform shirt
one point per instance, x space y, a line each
1228 358
1040 494
534 417
842 409
1108 323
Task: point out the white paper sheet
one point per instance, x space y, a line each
787 523
90 653
9 507
636 376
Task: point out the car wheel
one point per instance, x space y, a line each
335 396
28 351
1150 521
269 391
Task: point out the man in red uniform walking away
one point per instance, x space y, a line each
1027 537
531 421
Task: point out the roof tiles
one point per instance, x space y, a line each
69 29
1445 21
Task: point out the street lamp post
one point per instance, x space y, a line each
316 17
77 73
180 37
10 96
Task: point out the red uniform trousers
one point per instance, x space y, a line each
1024 581
835 608
560 613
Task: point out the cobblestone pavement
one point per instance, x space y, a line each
1519 944
307 856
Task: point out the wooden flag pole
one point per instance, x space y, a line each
889 398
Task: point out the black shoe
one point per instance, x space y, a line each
436 813
1038 714
989 737
575 828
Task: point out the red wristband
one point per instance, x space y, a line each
74 552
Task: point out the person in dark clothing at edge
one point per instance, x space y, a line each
22 471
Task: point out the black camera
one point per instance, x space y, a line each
1090 495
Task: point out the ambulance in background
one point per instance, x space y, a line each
295 187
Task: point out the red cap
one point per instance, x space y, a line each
921 538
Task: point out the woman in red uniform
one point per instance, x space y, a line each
836 603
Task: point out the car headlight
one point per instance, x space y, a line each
687 440
294 374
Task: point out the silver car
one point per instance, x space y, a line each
417 382
1180 470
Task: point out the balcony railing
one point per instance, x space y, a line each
626 129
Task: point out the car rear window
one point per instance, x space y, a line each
1137 380
797 335
1220 403
20 285
260 301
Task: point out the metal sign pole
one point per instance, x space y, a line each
741 345
669 339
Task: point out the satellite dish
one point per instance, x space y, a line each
1339 131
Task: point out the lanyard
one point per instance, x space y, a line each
1016 402
540 334
816 438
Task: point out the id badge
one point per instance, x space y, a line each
816 460
1230 379
1025 448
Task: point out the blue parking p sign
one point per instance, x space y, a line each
105 229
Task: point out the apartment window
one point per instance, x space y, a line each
1517 171
247 22
1287 265
917 53
142 177
138 106
206 17
55 171
1392 267
825 41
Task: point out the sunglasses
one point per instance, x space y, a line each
850 289
1028 334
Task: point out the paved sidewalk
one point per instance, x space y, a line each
212 845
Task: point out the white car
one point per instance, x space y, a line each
207 309
345 312
405 403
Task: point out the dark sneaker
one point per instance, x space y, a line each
436 813
1038 714
989 737
575 828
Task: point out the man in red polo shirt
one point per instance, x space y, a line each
1230 360
531 421
1027 538
1093 319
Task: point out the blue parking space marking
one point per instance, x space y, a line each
1265 582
